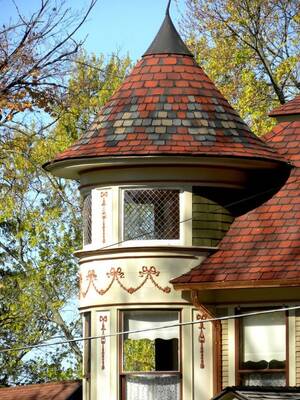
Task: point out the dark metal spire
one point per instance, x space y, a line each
168 41
168 8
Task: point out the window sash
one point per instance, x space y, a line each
262 372
149 359
139 320
264 337
151 214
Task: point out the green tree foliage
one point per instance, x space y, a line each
40 229
139 355
250 49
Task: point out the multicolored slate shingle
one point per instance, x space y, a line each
168 106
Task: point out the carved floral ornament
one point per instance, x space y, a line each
103 321
116 275
103 196
201 337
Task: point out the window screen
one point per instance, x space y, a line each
151 214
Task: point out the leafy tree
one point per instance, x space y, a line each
250 48
35 56
139 355
40 229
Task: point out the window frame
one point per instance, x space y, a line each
123 374
240 371
135 242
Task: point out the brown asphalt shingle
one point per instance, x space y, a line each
290 108
264 244
65 390
260 393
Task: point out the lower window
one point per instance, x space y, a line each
150 359
262 350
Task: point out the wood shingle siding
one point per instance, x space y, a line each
225 355
298 347
210 221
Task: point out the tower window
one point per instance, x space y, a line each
150 357
87 219
262 350
151 214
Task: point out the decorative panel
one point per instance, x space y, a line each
115 276
103 354
202 356
105 217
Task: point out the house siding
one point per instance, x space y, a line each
210 221
225 355
297 347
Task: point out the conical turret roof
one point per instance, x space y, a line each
167 106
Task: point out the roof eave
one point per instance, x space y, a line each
203 286
71 168
291 117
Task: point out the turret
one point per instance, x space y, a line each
164 169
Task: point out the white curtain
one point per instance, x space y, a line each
137 320
264 337
257 379
146 387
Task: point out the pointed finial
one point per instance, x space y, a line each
168 41
168 8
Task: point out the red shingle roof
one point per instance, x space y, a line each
263 245
68 390
259 393
168 106
290 108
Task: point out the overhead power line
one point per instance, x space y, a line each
234 203
179 324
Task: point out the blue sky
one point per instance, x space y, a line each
128 26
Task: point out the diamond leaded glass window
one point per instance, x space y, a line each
151 214
87 219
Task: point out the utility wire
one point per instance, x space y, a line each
42 344
179 324
251 197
